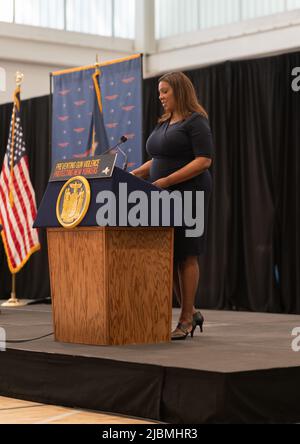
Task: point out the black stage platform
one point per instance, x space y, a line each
241 370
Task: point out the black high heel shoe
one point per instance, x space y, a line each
182 331
198 319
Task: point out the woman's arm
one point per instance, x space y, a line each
191 170
143 171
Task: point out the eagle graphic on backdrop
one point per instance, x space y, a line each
91 116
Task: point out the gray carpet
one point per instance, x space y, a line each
231 342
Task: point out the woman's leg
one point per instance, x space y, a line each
189 275
176 284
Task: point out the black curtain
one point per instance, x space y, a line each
33 280
252 261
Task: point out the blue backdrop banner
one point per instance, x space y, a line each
93 109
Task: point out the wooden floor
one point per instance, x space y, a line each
13 411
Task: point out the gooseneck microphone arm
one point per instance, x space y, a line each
121 141
125 164
118 147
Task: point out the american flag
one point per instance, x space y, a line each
17 197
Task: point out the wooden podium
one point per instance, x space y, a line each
111 286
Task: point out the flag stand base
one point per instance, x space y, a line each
13 302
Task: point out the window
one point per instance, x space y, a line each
92 17
175 17
114 18
124 18
6 10
215 13
45 13
259 8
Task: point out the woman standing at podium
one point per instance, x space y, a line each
181 148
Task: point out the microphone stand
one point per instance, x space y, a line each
117 147
125 164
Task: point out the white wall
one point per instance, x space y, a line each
37 52
250 39
36 81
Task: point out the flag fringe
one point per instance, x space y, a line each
30 253
96 75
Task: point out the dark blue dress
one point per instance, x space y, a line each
172 147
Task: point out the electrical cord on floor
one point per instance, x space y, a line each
22 341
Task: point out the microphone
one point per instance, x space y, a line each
117 147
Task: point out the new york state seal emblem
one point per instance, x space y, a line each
73 202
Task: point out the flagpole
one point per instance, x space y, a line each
96 79
13 301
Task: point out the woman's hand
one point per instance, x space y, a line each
188 172
162 183
143 171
